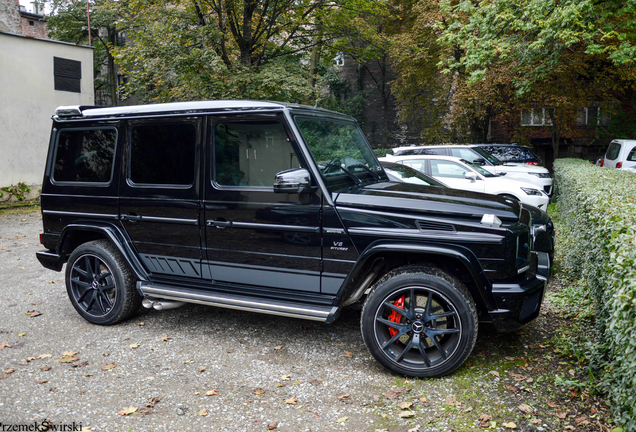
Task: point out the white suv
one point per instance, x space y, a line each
539 176
620 154
459 173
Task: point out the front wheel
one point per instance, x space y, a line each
419 321
100 285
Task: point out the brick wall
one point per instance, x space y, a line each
14 20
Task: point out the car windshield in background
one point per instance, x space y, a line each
407 174
340 151
490 158
479 169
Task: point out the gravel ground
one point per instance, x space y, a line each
205 368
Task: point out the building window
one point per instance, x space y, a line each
68 74
537 116
593 116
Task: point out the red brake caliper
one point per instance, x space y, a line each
396 317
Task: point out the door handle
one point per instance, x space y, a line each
220 223
130 217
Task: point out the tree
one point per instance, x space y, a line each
68 22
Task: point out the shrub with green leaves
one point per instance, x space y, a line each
598 208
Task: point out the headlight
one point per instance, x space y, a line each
530 191
540 175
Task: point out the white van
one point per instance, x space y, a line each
620 154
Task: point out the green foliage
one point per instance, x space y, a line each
19 191
598 209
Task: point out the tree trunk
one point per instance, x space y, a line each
112 39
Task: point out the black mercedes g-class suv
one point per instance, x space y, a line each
281 209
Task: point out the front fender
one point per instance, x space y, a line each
482 290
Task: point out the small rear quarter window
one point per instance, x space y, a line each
85 155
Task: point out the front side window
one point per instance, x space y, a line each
85 155
251 153
342 154
163 153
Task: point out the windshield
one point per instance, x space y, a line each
479 169
490 158
406 174
340 151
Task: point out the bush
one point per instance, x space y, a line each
598 211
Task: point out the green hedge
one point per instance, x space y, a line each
598 210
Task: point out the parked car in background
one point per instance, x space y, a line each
512 153
620 154
473 153
459 173
405 174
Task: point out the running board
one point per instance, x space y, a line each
325 314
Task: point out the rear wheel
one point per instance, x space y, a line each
419 321
100 285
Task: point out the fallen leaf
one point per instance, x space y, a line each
231 350
571 372
188 361
258 391
4 345
79 364
33 313
569 427
552 405
348 354
423 399
9 371
45 368
344 396
68 359
484 417
141 324
165 338
315 382
316 415
561 415
396 392
42 381
272 425
211 392
152 402
510 425
69 353
291 401
530 380
451 401
44 356
525 408
469 409
30 359
286 377
405 405
127 411
494 373
299 407
280 385
406 414
278 347
342 419
21 334
535 421
109 366
201 368
144 411
134 346
512 388
203 412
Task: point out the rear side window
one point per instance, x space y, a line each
163 154
613 151
631 157
85 155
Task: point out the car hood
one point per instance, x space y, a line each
514 167
429 200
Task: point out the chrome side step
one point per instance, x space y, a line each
325 314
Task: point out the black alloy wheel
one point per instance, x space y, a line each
420 321
100 285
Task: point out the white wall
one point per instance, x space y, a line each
28 100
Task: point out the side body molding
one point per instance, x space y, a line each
369 259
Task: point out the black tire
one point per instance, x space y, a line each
100 284
422 338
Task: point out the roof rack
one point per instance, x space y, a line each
70 111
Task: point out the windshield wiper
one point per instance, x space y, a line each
367 169
346 171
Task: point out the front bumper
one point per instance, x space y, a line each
520 303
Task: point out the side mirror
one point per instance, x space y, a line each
471 176
296 181
480 161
